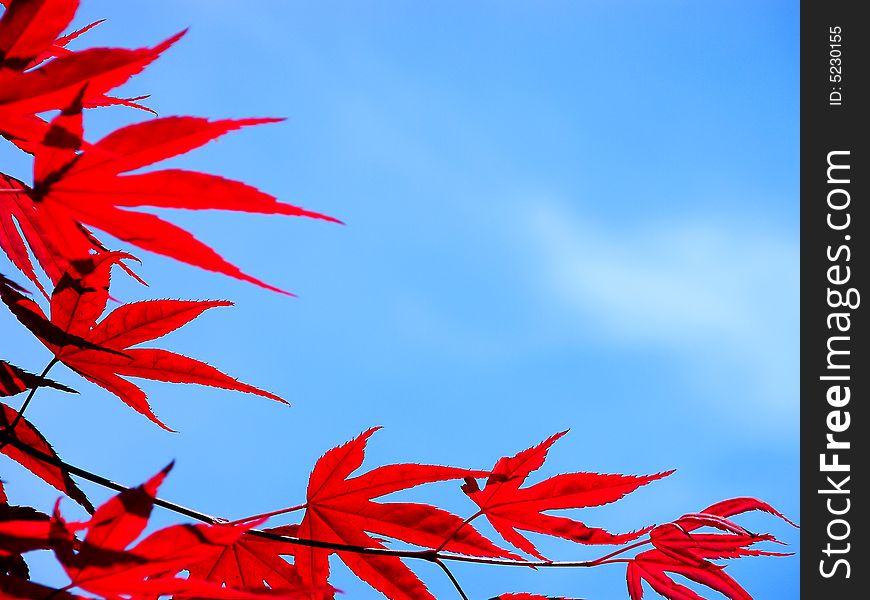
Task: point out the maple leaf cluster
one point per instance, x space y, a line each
49 230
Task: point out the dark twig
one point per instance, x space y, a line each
40 380
452 579
427 555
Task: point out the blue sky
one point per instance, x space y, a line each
559 215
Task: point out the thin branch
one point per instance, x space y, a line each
103 481
452 579
40 380
427 555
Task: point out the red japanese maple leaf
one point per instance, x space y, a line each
104 563
653 567
29 27
340 510
24 534
14 380
92 188
79 187
680 550
510 508
28 312
30 34
252 562
25 433
22 529
59 48
56 84
18 588
53 243
18 212
108 355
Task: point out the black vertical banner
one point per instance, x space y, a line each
835 375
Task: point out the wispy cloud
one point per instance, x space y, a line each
717 294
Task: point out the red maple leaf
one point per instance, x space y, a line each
57 83
28 312
25 433
14 380
252 562
29 27
79 187
21 228
22 529
340 510
28 32
510 508
91 188
59 48
17 588
107 354
19 535
682 551
653 567
105 563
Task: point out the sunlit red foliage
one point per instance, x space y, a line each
80 187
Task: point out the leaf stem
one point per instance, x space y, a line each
268 515
456 531
606 558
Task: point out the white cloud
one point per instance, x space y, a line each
720 294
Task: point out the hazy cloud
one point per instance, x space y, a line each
715 292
